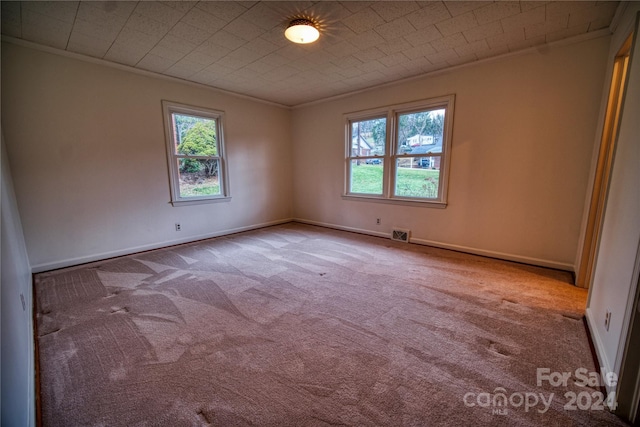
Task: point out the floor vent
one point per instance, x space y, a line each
400 235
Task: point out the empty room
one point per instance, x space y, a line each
294 213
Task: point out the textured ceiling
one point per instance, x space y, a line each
240 46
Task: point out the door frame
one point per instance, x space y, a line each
604 165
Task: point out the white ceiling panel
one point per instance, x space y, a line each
240 46
481 32
189 33
496 11
88 45
62 11
125 54
155 63
460 7
204 21
167 13
113 14
457 24
390 11
45 29
430 13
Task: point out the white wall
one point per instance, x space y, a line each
17 355
613 283
521 153
86 144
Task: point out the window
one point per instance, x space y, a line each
195 152
368 147
400 153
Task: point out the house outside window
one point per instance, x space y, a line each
368 147
400 153
195 153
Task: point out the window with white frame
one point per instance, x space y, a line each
400 152
368 147
195 152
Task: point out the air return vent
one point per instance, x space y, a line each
400 235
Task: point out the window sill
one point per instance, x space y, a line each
396 201
177 203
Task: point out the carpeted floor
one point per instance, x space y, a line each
297 325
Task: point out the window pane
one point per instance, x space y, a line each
198 177
421 132
418 177
368 137
195 136
366 176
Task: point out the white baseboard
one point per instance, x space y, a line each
128 251
499 255
466 249
342 228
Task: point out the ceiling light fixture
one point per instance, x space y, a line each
302 31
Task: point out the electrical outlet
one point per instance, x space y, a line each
378 221
607 320
178 226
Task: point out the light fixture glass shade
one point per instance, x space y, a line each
302 31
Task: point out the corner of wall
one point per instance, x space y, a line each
18 355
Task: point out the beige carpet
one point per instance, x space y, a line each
303 326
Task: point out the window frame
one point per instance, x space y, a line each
392 155
361 117
168 109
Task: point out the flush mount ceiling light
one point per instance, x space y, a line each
302 31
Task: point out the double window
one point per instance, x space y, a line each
195 153
400 152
